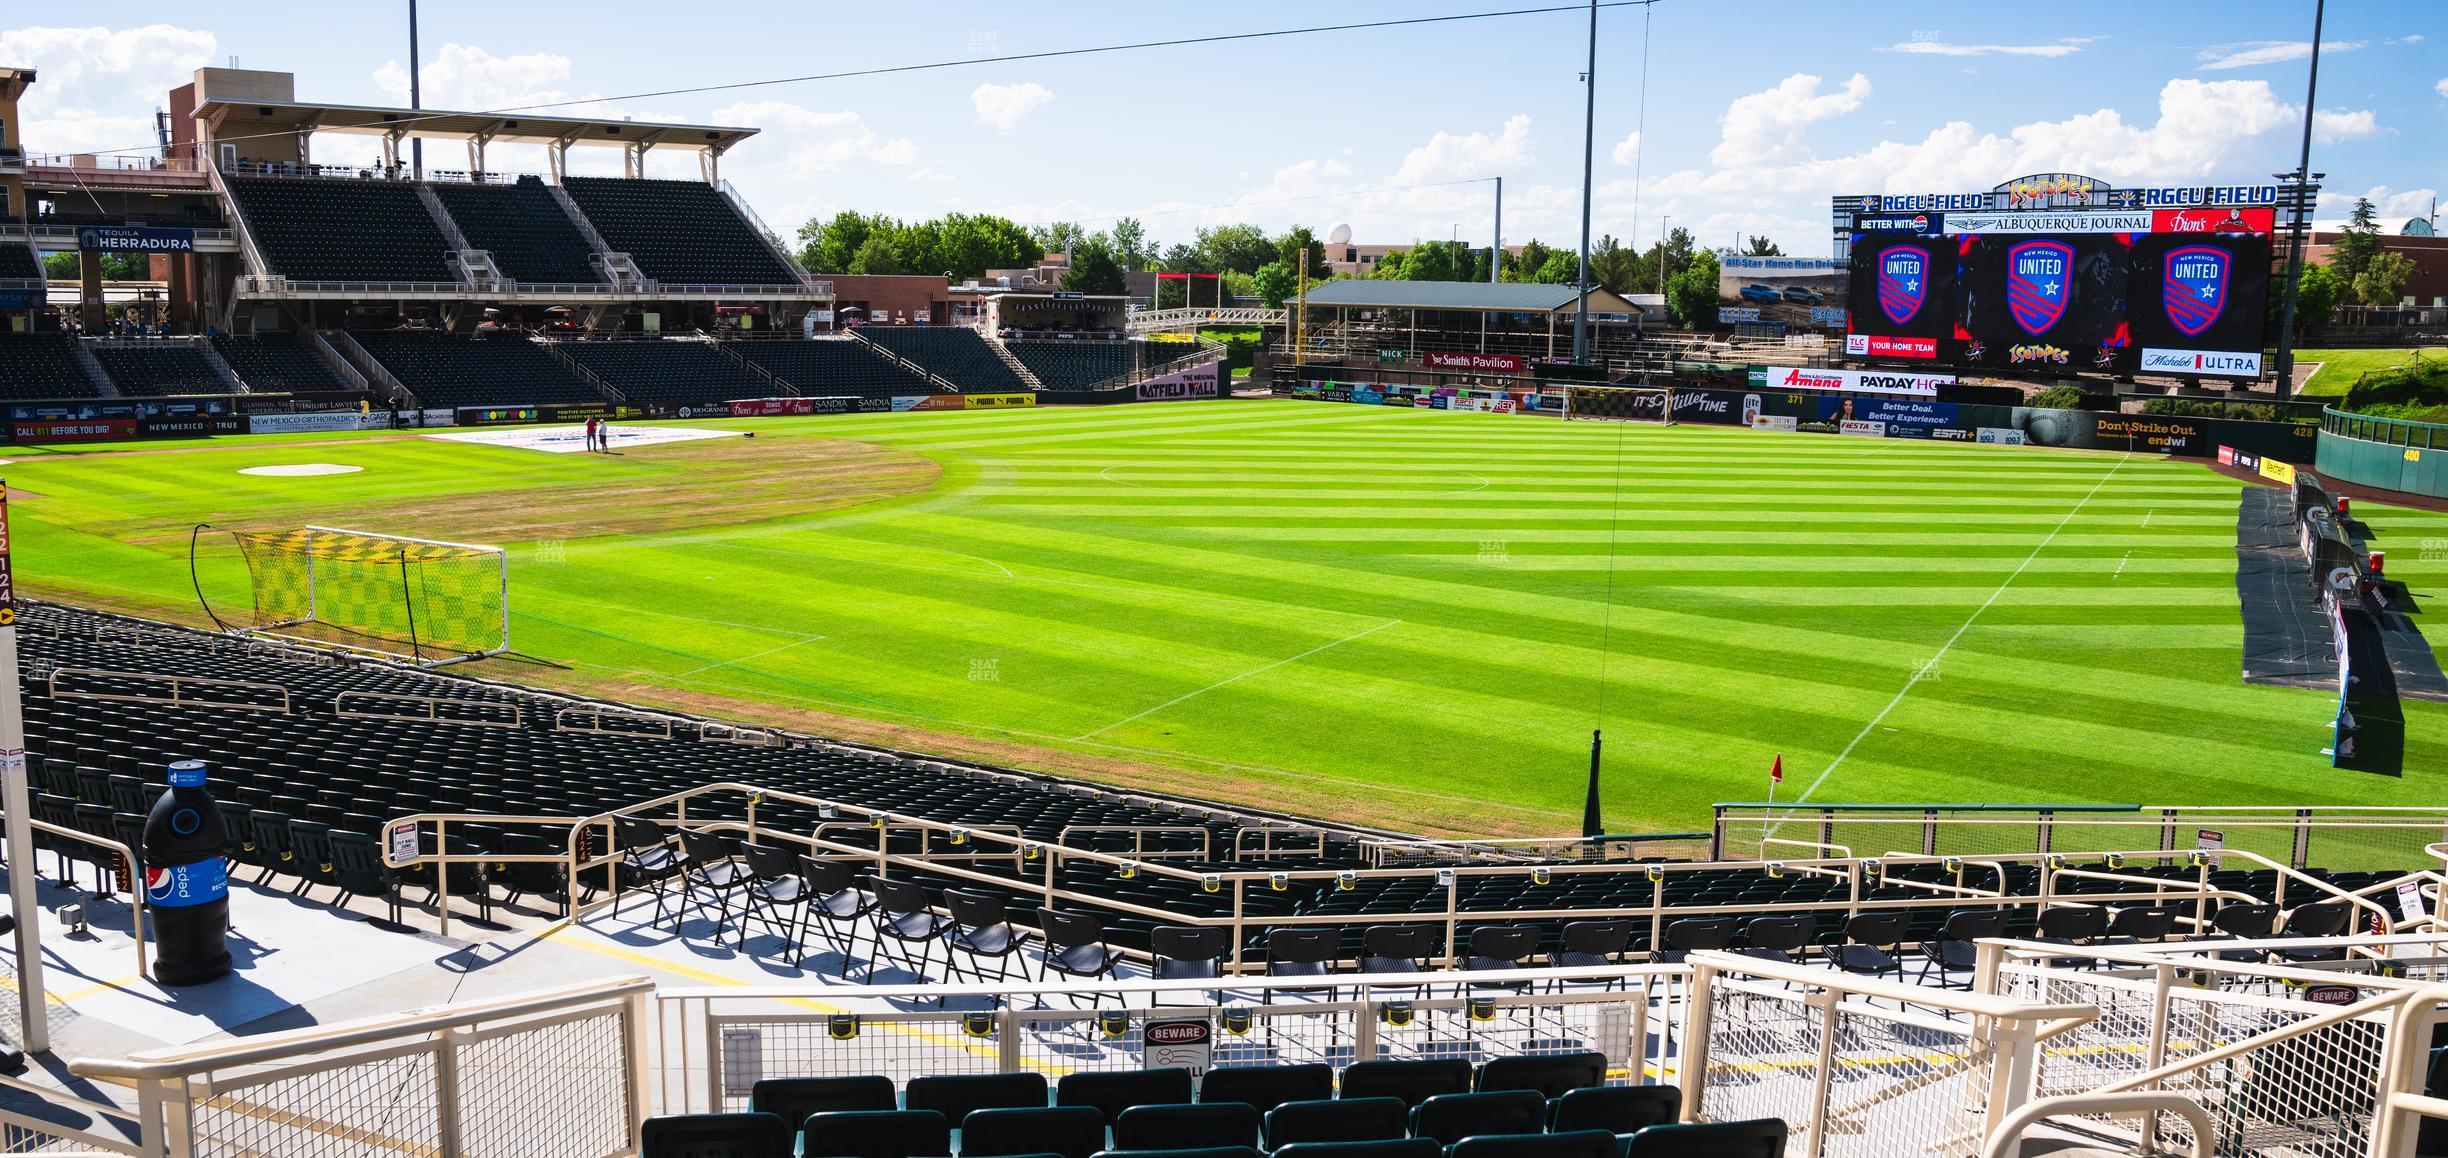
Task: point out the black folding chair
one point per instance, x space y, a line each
903 917
1955 949
1190 953
712 874
776 896
648 860
837 906
1588 944
1404 948
982 928
1075 948
1304 952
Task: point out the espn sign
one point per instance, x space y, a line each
1860 381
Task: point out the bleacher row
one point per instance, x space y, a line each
1527 1106
495 369
303 781
677 232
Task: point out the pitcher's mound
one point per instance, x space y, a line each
303 468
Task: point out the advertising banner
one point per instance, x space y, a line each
996 401
329 420
1200 382
771 407
132 239
1911 417
931 402
1489 363
492 415
2105 221
1367 395
74 430
190 425
437 417
1860 381
1783 290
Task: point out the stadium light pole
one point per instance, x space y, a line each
416 97
1589 151
2302 197
1496 249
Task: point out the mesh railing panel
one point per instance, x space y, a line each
1762 1054
580 1064
1897 1085
388 1105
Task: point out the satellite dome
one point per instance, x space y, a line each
1339 235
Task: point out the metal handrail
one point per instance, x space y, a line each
52 687
182 1061
433 708
2004 1136
1205 851
136 921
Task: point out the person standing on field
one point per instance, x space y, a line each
590 433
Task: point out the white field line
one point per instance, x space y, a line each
1926 668
746 658
1244 675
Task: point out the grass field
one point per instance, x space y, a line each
2340 368
1384 615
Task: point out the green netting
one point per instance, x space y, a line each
426 600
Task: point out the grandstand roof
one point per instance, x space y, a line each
1501 297
259 116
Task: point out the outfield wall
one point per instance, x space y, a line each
2386 453
1865 415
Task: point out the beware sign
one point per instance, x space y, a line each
1188 1044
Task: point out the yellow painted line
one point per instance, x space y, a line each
966 1045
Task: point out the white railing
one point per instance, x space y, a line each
107 1130
562 1071
1768 1039
715 1044
1157 321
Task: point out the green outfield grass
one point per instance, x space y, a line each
2339 369
1383 615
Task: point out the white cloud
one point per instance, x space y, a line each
1627 150
2409 38
1767 127
2253 52
1449 157
1002 105
815 140
464 76
2328 127
930 176
2392 206
2442 86
2067 46
99 85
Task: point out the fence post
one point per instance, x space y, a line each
446 1094
1929 832
1717 827
633 1048
1829 1002
1007 1038
2303 840
1364 1028
2048 831
1691 1070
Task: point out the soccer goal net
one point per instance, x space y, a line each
421 600
1621 403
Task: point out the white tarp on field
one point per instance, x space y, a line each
572 439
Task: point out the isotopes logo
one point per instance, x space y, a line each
2039 284
1903 281
2195 287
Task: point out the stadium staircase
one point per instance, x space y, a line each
351 357
279 364
611 265
940 384
562 355
774 385
956 355
836 367
684 371
95 372
1071 365
1012 362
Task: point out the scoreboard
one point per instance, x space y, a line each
2057 272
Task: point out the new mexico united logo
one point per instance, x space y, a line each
1903 281
2195 288
2039 283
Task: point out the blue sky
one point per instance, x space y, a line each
1758 110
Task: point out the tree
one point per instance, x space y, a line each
1094 268
2316 297
1524 266
1131 245
1060 237
1179 258
2384 279
1612 265
2358 242
1691 293
1563 268
1288 250
829 246
1760 246
1274 284
1235 248
875 256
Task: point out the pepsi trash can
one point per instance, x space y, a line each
187 881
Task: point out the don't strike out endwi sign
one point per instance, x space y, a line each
1458 360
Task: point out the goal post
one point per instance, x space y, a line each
421 600
1619 403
